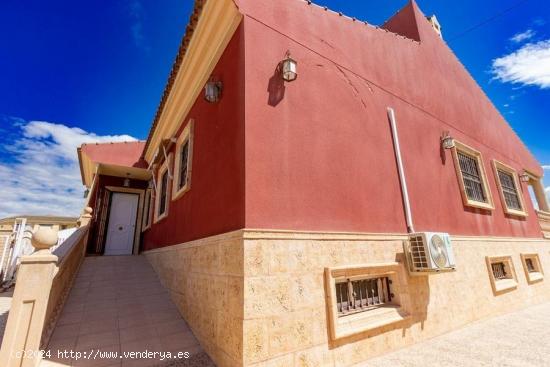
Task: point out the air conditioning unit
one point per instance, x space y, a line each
429 252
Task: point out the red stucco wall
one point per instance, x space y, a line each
215 203
319 154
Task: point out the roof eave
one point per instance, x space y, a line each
210 29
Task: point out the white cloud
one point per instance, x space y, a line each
136 13
39 171
546 167
523 36
529 65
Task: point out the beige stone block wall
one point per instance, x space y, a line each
285 311
67 270
205 280
257 298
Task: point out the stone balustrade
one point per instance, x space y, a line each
43 283
544 220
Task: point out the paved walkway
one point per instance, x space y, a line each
519 339
5 304
118 305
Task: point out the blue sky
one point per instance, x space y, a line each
75 71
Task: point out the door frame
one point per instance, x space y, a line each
139 214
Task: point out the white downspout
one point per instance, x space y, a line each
402 179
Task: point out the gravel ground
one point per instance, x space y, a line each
5 303
518 339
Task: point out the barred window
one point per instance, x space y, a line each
471 176
163 193
183 162
147 209
530 265
354 296
509 190
501 273
184 157
499 270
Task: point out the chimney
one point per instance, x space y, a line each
435 25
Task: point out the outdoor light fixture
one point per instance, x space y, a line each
447 141
213 90
289 68
524 177
126 182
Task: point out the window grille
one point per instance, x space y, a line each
163 193
530 265
184 157
147 208
499 270
471 177
509 190
354 296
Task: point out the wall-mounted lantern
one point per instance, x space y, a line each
525 177
213 90
447 141
289 68
126 182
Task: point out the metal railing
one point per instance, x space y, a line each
354 296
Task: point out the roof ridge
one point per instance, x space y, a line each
115 142
373 26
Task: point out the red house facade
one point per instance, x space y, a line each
279 213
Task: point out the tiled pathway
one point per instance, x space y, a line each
117 304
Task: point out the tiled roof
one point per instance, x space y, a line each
126 154
193 20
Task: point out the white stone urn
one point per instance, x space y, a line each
44 238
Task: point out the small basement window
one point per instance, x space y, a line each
529 264
510 189
501 273
363 298
472 178
532 267
360 295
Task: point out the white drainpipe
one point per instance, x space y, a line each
402 179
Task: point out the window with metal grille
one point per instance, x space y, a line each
530 265
499 270
354 296
184 157
472 177
163 193
146 207
509 190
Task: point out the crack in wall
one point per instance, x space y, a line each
356 93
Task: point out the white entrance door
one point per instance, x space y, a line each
122 224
